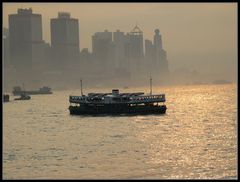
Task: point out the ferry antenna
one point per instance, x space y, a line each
81 87
23 87
150 85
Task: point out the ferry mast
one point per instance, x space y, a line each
150 85
81 87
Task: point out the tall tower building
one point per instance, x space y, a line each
6 54
120 41
150 56
26 44
65 41
9 73
136 49
121 57
161 55
103 51
157 39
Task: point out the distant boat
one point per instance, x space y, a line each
44 90
24 96
197 83
221 82
6 98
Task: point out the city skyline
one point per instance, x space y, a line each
196 28
116 56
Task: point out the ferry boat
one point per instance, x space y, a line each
44 90
117 103
24 96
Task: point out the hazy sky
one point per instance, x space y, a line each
200 36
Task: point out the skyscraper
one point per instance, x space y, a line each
26 44
121 57
9 72
120 41
150 56
6 54
136 50
161 55
157 39
65 41
103 51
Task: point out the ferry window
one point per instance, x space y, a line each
116 99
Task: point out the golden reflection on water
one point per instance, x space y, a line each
198 141
196 138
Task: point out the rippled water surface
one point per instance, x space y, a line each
196 138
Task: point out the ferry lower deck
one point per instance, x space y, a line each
116 109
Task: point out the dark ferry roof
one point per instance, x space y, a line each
131 94
121 95
98 94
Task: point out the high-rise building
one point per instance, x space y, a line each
6 55
157 39
161 55
119 40
156 62
26 44
85 56
136 49
121 57
103 51
86 61
150 56
9 72
65 41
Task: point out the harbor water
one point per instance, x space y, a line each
196 138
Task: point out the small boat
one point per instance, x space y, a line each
43 90
6 98
23 97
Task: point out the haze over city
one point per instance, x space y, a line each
200 39
120 91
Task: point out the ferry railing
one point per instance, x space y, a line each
77 99
134 99
151 98
80 99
